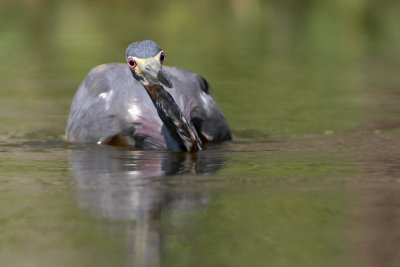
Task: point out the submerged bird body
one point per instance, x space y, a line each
113 107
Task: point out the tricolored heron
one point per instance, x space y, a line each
128 104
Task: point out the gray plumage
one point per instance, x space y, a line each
110 103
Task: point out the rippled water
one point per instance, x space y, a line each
304 200
311 179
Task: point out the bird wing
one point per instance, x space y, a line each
111 102
191 93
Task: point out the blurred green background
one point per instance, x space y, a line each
293 66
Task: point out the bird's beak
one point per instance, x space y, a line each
162 78
152 72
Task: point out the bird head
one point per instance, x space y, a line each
145 59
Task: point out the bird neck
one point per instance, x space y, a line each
173 119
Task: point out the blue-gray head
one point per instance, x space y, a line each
145 59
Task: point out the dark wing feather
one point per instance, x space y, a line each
191 92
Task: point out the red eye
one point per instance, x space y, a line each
132 62
162 57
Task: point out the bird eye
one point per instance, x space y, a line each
132 62
162 57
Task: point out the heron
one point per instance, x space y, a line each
145 104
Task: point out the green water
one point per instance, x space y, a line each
309 88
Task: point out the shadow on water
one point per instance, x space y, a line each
123 184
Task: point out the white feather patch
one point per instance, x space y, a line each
206 103
135 112
106 96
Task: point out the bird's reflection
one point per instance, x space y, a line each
122 184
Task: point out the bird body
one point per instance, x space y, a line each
112 107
